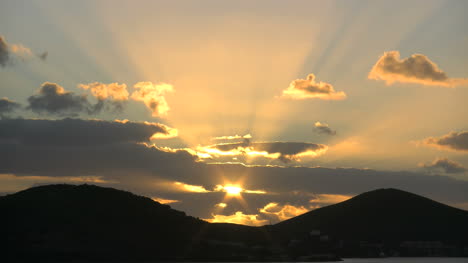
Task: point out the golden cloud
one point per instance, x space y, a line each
152 95
103 91
164 201
283 212
455 141
238 218
310 89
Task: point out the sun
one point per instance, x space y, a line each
232 190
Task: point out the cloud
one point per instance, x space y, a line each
238 218
77 132
10 51
456 141
152 95
417 68
8 106
190 188
283 151
164 201
4 52
323 128
445 165
53 99
114 91
320 200
232 137
283 212
310 89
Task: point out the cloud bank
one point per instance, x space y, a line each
310 89
417 69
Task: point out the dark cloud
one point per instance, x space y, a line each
310 89
415 69
283 151
8 106
323 128
43 56
77 132
445 165
4 52
456 141
53 99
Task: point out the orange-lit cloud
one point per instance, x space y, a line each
324 128
445 165
238 218
283 212
455 141
164 201
101 91
221 205
190 188
417 68
328 199
283 151
233 137
152 95
310 89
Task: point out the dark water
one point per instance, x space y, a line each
408 260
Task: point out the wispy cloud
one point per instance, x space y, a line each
323 128
445 165
456 141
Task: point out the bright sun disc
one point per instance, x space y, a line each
232 190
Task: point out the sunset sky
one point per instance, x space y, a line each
243 111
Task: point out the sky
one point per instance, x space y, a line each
248 112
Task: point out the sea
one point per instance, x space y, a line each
405 260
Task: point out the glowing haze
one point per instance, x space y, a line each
236 111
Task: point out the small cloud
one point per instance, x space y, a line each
164 201
152 95
43 56
417 68
11 51
4 52
310 89
456 141
238 218
323 128
190 188
232 137
320 200
8 106
221 205
283 212
445 165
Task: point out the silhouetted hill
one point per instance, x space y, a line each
89 222
384 216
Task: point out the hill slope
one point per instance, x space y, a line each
90 222
386 216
